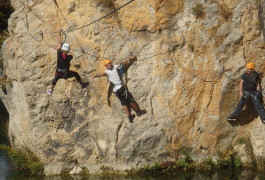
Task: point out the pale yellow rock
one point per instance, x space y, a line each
186 77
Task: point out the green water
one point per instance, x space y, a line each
181 175
7 172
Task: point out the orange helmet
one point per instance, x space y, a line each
107 61
250 65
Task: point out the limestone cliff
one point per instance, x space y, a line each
190 57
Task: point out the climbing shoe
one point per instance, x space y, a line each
84 86
131 117
140 112
231 118
49 91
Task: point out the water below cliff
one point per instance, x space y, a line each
5 166
7 172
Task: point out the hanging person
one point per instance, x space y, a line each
113 72
250 88
63 65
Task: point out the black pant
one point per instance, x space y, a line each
66 75
255 97
124 96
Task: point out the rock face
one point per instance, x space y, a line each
186 77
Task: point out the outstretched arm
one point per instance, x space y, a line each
60 40
130 60
99 75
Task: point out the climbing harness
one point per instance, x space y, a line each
122 74
61 72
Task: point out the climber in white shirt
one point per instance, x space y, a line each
114 74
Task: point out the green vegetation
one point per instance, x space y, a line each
207 164
153 168
260 163
242 140
24 161
229 159
225 12
191 47
107 3
3 36
185 163
198 10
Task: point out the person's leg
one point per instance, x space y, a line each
240 105
54 81
77 77
258 106
127 110
134 104
125 104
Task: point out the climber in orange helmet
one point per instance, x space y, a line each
249 89
114 74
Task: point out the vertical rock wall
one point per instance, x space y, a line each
186 77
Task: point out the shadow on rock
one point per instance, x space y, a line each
246 116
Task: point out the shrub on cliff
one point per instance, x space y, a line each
228 159
198 10
24 161
106 3
3 36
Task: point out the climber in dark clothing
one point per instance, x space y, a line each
250 89
63 65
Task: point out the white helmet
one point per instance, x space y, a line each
65 47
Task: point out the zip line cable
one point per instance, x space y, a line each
195 75
24 3
84 53
97 57
103 17
82 49
44 9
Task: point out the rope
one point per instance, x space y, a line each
93 22
30 9
82 49
44 9
35 38
26 24
195 75
231 78
46 41
83 52
140 59
97 57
